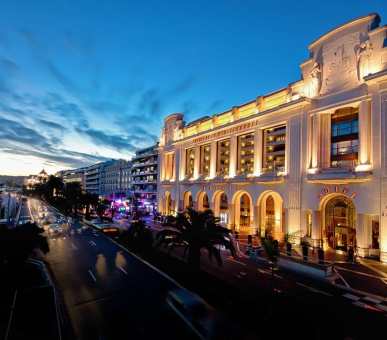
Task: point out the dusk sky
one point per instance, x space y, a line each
87 81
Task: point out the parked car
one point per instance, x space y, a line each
200 318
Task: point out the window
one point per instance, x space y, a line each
245 153
205 159
190 162
344 137
223 157
274 149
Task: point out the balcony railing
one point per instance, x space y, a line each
343 164
273 170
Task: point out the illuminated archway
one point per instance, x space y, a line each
187 200
203 202
168 203
243 212
338 222
272 215
221 206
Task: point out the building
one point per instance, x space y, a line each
31 180
75 175
144 178
308 161
93 177
116 178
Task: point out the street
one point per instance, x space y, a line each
107 291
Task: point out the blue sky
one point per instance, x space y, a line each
86 81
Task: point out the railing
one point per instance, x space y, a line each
244 172
273 170
344 163
222 173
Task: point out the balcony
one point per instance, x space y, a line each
270 175
341 172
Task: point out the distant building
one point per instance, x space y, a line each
75 175
144 178
116 178
93 177
31 180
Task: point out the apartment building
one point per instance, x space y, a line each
144 178
116 178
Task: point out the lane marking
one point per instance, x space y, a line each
352 297
92 276
122 269
315 290
365 274
94 244
243 264
372 299
381 307
74 246
337 272
242 273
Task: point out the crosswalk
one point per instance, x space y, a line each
367 302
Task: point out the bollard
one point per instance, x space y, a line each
305 252
320 256
289 249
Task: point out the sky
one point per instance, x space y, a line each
87 81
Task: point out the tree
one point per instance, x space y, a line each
73 193
139 236
194 230
88 200
17 244
54 185
271 251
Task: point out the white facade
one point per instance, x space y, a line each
144 178
308 161
93 177
116 177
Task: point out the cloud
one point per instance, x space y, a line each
213 106
184 85
114 142
60 77
52 125
26 35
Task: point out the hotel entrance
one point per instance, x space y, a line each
340 223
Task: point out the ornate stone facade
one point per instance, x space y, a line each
307 161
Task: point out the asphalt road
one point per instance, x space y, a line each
109 293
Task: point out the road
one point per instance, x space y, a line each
109 293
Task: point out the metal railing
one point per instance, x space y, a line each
275 169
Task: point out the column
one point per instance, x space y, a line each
365 132
213 158
257 151
233 156
315 232
363 234
316 141
256 220
231 217
183 165
325 143
176 164
197 161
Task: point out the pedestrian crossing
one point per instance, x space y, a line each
368 302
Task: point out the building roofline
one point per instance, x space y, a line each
348 23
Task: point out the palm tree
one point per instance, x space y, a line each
194 230
17 244
54 184
73 192
271 251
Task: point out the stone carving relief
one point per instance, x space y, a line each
316 76
363 56
340 64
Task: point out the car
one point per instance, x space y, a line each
54 229
201 318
